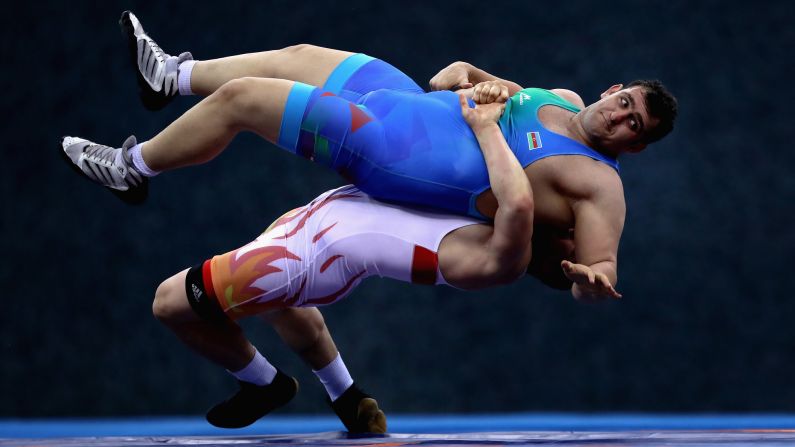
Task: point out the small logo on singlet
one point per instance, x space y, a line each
523 97
197 292
534 140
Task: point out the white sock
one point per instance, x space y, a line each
258 371
335 377
183 77
139 163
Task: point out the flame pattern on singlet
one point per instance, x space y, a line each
317 254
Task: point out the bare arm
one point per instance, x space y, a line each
599 223
465 75
509 249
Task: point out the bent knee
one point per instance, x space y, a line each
171 303
236 91
247 103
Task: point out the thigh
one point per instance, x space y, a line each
309 64
287 265
361 74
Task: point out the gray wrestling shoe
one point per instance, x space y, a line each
108 166
156 70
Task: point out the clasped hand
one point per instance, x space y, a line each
456 77
481 116
489 92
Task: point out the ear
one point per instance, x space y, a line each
611 90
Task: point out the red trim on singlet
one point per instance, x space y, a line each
424 265
322 232
336 195
328 299
328 262
207 278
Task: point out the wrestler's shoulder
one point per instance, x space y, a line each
569 96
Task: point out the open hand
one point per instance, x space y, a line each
482 115
588 285
489 92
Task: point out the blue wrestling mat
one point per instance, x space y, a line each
416 430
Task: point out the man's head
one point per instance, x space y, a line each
627 119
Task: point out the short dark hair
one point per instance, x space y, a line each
660 104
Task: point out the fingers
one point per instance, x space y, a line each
607 289
570 271
592 284
503 94
444 80
489 92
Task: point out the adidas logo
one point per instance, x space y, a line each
197 292
523 97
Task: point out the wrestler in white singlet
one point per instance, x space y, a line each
315 255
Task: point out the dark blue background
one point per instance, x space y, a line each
705 261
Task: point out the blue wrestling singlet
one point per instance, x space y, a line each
379 130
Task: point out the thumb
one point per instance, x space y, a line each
465 85
463 101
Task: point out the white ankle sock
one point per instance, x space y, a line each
335 377
183 77
258 371
139 163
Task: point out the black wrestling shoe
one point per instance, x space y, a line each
359 412
253 402
155 70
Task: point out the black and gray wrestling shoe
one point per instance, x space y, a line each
108 166
252 402
155 69
359 412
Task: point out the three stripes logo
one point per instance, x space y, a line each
534 140
197 292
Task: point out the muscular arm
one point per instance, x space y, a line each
509 249
458 74
599 222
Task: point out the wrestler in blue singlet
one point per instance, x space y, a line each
378 129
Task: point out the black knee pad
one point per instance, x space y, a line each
201 302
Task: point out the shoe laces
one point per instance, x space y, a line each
159 53
100 154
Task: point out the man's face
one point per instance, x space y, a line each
619 121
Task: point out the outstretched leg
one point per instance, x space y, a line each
253 104
304 63
297 117
158 72
246 104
